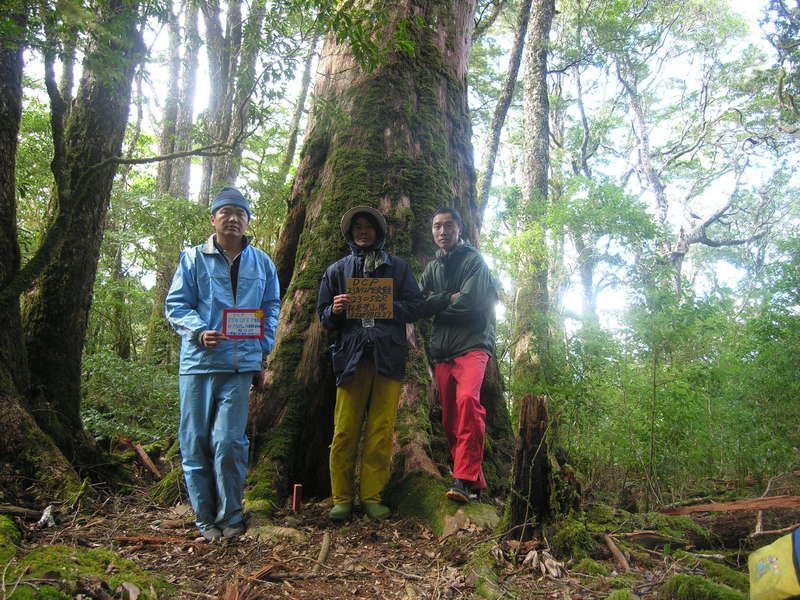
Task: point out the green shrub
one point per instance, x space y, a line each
130 399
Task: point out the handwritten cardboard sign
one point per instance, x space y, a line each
370 297
243 323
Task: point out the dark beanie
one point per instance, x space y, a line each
230 196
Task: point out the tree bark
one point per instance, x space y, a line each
501 108
397 138
232 60
31 466
55 325
532 304
542 486
305 84
173 175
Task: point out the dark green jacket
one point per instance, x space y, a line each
467 324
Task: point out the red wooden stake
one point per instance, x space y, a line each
297 497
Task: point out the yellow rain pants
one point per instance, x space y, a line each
377 396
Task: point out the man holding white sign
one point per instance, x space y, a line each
365 299
224 303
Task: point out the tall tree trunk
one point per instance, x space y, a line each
530 501
32 465
397 138
294 131
232 61
501 108
532 305
56 323
173 175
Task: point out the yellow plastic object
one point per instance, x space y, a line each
774 569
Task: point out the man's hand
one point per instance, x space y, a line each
454 297
211 338
340 303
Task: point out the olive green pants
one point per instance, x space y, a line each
374 397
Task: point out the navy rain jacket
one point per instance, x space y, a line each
387 339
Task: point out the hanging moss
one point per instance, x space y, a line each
694 587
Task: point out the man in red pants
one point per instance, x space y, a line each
461 295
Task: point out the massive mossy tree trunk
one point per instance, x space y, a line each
397 138
55 324
30 464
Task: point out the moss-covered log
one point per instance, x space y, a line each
396 138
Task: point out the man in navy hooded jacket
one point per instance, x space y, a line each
369 360
224 273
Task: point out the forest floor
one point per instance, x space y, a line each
396 559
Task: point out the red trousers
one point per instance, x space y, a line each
459 382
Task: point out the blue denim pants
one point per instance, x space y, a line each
214 445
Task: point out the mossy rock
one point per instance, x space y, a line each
600 513
9 539
480 568
677 526
572 539
694 587
68 566
622 582
637 555
170 489
422 495
717 572
621 595
587 566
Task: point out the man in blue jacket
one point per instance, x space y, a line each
224 303
369 361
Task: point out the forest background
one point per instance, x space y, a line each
649 286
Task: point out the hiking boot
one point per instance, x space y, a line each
211 534
459 492
376 511
233 531
340 512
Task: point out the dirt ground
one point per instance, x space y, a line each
397 559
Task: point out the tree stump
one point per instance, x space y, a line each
543 486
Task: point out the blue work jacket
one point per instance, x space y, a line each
387 339
201 289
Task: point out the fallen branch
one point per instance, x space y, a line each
622 562
144 457
149 539
747 504
774 531
28 513
325 548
